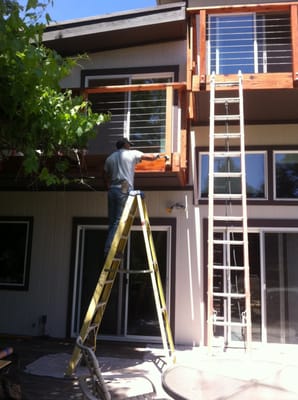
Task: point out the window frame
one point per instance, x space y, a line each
22 284
248 151
274 153
269 173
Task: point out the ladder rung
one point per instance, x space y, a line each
230 295
224 100
224 196
109 281
235 242
227 154
228 267
225 135
226 323
226 83
227 174
100 305
226 117
227 218
91 328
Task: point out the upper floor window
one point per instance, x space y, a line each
250 42
137 115
286 174
255 175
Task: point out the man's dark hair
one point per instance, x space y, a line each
122 142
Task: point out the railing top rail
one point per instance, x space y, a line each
135 88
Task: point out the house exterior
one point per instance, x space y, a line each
151 69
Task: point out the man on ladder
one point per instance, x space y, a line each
124 203
119 171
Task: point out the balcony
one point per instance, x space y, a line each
260 40
151 115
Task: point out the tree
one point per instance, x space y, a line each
37 119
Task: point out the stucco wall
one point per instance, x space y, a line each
170 53
50 259
258 135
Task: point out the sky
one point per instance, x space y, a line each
71 9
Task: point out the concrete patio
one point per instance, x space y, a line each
135 371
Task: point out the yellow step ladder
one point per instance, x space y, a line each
89 330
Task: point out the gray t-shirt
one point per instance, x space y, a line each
120 166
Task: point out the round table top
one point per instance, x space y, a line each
183 382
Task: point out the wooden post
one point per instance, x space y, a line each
294 34
169 119
202 71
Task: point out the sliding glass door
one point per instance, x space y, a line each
281 255
131 311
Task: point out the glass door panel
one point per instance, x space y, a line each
232 282
141 310
281 253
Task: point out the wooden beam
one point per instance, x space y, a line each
294 32
169 119
136 88
202 71
242 8
189 55
184 129
258 81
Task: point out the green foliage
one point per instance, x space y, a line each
37 119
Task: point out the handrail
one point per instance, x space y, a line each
135 88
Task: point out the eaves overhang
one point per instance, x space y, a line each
117 30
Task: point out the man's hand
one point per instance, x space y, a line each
165 156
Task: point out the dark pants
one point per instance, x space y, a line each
116 203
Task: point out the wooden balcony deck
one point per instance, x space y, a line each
156 175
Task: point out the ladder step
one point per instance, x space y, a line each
227 323
229 267
224 196
227 174
226 83
227 218
224 100
229 295
235 242
227 154
226 117
100 305
225 135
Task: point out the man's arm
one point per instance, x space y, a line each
153 156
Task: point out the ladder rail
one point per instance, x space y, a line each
245 228
210 215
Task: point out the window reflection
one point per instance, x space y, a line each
255 175
286 175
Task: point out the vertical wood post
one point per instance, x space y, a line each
294 34
169 119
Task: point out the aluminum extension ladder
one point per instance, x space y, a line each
229 312
97 306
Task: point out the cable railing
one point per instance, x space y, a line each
146 117
252 42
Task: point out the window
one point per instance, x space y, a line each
137 115
255 175
286 174
15 249
252 43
